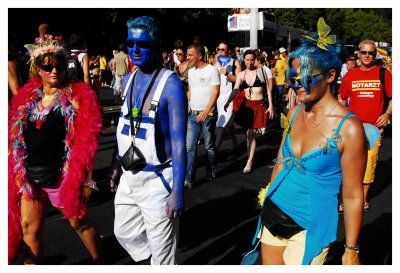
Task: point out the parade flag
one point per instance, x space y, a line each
382 53
223 60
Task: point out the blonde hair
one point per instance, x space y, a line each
366 42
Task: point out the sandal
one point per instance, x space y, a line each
341 208
248 167
366 206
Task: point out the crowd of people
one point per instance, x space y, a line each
169 100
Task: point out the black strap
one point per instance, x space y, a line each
139 118
382 78
386 99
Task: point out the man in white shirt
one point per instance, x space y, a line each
203 92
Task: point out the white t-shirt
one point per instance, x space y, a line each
201 82
268 72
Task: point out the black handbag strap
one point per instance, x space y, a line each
139 118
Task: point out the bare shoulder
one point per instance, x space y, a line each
352 130
241 74
291 112
173 86
173 80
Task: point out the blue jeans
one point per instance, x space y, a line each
281 89
192 137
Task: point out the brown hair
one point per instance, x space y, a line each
199 48
49 57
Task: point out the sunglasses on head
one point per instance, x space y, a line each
50 67
221 49
141 44
369 52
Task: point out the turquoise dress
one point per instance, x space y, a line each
307 189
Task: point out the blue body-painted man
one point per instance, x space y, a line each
148 201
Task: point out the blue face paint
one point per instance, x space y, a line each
141 48
312 81
296 84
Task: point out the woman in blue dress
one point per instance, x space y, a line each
323 149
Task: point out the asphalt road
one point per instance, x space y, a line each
220 216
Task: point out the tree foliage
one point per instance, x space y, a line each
349 24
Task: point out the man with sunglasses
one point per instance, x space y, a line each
367 100
149 199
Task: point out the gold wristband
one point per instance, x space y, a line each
352 249
388 114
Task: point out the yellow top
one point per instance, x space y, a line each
281 66
103 63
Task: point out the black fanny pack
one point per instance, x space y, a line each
43 176
278 222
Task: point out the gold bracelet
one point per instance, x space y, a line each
352 249
388 114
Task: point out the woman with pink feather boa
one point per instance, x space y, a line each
53 135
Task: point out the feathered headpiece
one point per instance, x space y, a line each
45 45
42 46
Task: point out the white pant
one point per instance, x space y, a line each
117 84
141 224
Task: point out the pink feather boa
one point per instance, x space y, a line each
87 124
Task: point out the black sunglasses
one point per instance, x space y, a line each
141 44
221 49
369 52
179 54
50 67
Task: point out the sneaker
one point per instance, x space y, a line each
209 177
188 185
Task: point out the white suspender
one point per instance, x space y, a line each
157 94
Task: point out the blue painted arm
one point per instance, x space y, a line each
173 103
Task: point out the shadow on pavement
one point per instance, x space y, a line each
375 243
215 227
384 178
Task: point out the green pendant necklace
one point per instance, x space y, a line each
135 112
135 109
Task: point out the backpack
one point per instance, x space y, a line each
74 68
382 79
